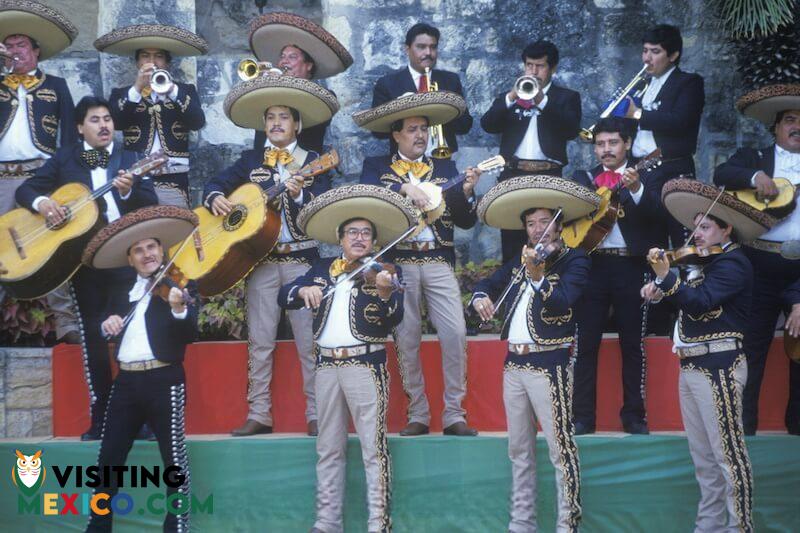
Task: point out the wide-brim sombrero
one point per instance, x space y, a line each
48 27
764 103
109 247
391 213
685 198
271 32
126 41
247 101
502 206
440 107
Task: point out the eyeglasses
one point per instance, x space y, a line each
364 233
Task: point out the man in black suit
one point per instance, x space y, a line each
669 116
422 48
93 162
534 132
616 263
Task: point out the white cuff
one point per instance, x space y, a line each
509 102
290 296
182 315
210 198
299 199
37 201
753 179
637 196
134 96
659 280
543 103
127 195
173 93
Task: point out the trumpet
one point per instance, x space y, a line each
526 87
587 134
440 148
5 56
160 81
249 69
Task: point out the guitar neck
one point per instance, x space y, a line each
139 169
452 182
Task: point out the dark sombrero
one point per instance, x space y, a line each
247 101
109 247
502 206
764 103
270 33
685 198
177 41
45 25
440 107
391 213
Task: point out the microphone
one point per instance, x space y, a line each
790 250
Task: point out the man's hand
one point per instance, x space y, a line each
295 186
176 300
143 77
650 293
632 108
416 195
312 296
52 212
658 262
123 182
473 174
630 179
765 186
793 321
535 271
384 284
112 325
221 206
484 307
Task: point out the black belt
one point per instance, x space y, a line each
532 165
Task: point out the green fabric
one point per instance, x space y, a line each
441 484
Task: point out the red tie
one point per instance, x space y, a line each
423 84
608 179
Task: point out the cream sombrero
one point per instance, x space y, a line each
48 27
502 206
391 213
764 103
685 198
177 41
247 101
109 247
439 106
270 33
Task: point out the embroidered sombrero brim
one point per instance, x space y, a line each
270 33
685 198
109 247
48 27
390 212
764 103
177 41
502 206
440 107
246 103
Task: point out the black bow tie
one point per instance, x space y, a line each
95 158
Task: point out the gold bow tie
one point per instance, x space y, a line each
276 155
15 80
417 168
338 267
146 92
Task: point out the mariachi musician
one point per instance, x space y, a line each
280 105
157 113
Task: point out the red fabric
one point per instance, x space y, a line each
608 179
216 375
423 84
524 104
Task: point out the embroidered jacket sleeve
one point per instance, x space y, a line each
498 116
462 210
720 284
288 296
562 296
226 181
737 172
189 111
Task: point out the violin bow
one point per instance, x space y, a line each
691 235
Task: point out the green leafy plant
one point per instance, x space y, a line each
746 19
468 276
224 317
26 323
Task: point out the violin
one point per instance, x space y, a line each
691 255
173 278
372 269
544 252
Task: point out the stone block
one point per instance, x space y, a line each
19 423
42 424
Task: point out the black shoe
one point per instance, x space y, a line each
582 428
636 428
414 429
460 429
251 427
93 433
70 337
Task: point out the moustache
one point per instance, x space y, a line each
607 156
277 129
104 132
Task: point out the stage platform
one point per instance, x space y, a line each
217 387
441 484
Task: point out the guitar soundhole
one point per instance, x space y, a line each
235 218
67 217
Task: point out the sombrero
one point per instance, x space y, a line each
440 107
177 41
247 101
109 247
502 206
44 24
685 198
270 33
764 103
391 213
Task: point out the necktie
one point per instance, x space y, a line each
272 156
146 92
608 179
95 158
338 267
423 84
417 168
13 81
524 104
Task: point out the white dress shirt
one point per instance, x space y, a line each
336 333
425 235
529 147
645 143
518 332
284 174
614 239
135 97
787 165
17 144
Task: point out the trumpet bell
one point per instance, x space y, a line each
160 81
526 87
247 69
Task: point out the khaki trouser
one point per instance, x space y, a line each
438 285
362 389
263 315
711 407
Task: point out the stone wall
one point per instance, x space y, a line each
599 42
26 396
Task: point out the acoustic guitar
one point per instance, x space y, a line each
227 247
791 346
779 207
39 256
